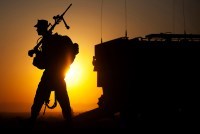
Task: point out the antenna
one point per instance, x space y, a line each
184 16
125 19
101 18
173 17
125 13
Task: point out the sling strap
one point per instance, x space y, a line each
47 104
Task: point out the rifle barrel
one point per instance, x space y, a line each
66 10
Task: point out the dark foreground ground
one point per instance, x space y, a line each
93 121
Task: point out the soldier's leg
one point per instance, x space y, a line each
63 99
41 95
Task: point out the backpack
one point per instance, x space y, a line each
70 49
63 52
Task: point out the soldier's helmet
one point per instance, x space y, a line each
42 24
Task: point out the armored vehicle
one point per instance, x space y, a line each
152 78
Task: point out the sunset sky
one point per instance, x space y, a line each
19 78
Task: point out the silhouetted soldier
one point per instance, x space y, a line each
54 61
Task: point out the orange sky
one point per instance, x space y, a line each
19 78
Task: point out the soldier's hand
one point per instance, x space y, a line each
31 52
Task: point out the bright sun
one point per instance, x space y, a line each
74 74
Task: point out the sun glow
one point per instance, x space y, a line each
73 76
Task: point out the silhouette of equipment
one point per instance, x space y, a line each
50 107
150 79
57 20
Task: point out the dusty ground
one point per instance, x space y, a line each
91 121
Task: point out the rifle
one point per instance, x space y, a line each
57 19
